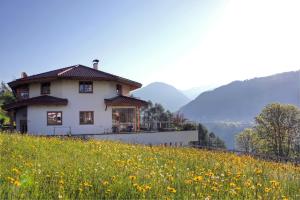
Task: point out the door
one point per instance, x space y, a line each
23 126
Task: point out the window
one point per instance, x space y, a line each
85 87
54 118
45 88
86 117
119 89
22 92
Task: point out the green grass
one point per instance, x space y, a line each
50 168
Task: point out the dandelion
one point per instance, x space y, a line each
61 182
258 171
105 183
198 178
232 184
87 184
267 190
188 182
171 189
15 170
147 187
132 178
275 184
17 183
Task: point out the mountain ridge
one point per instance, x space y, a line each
158 92
243 100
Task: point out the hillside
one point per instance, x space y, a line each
167 95
192 93
53 168
243 100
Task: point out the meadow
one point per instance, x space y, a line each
53 168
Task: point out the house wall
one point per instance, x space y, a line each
37 115
125 90
21 114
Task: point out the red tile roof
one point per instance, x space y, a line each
40 100
125 101
77 72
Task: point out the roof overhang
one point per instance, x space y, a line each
125 101
39 101
76 72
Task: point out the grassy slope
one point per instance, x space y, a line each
53 168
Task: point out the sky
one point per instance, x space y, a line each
191 43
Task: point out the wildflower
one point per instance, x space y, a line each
172 190
15 170
188 182
259 184
11 180
132 178
267 189
108 191
258 171
60 196
17 183
61 182
141 189
87 184
198 178
232 184
274 183
105 183
147 187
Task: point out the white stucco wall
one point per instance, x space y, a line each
37 115
159 138
21 114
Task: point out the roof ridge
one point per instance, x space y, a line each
61 73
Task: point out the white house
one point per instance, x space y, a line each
75 100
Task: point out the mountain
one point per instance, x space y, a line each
243 100
192 93
167 95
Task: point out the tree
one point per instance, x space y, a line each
279 126
202 135
247 141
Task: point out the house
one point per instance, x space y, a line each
75 100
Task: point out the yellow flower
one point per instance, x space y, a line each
198 178
259 184
132 178
61 182
258 171
15 170
147 187
87 184
105 183
172 190
188 182
232 184
274 183
17 183
267 190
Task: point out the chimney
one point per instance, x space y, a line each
23 75
95 64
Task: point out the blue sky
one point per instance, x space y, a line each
184 43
